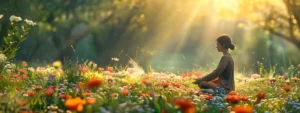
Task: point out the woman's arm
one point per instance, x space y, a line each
221 67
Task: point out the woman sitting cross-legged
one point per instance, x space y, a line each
223 75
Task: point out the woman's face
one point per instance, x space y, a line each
219 47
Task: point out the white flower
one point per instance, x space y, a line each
15 18
1 16
30 22
3 58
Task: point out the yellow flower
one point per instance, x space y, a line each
57 64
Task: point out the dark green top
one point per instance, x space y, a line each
225 72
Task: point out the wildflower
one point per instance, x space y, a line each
3 58
295 79
255 76
1 16
57 64
242 109
287 88
83 70
165 84
272 80
233 99
30 93
41 70
21 102
91 100
49 91
125 92
24 63
261 95
75 104
23 71
207 96
86 94
31 69
93 83
233 93
111 69
185 105
30 22
100 69
81 85
64 96
15 18
115 59
114 95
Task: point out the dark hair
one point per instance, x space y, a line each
225 41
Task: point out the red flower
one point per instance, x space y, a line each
287 88
261 95
233 93
64 96
50 91
93 83
165 84
207 96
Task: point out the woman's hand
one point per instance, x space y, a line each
197 81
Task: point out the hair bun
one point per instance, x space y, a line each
231 46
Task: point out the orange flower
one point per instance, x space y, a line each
146 82
233 99
287 88
23 71
207 96
261 95
176 84
125 92
100 69
114 95
295 79
87 94
93 83
111 69
185 105
165 84
242 109
30 93
75 104
64 96
83 70
81 85
13 75
144 95
24 63
50 90
21 103
233 93
25 77
91 101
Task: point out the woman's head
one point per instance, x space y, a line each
224 42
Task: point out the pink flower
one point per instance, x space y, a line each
41 70
255 76
131 70
108 73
